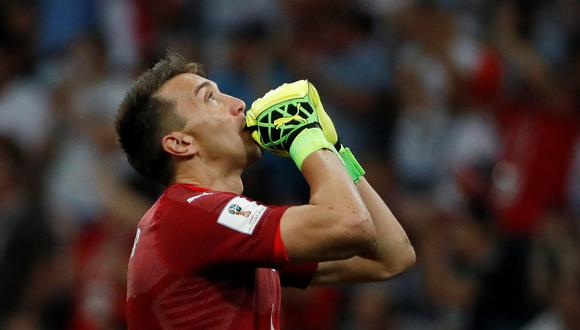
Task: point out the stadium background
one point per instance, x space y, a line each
464 112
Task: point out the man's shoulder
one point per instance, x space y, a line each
186 199
189 194
194 196
232 210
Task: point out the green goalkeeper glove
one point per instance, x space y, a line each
285 122
352 166
287 101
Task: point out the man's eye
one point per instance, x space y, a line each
211 97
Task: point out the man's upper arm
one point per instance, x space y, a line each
322 232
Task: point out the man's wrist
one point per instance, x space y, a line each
352 166
307 142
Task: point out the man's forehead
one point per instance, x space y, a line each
184 83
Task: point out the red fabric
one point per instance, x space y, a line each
189 237
188 270
486 81
537 153
142 25
98 245
189 187
279 248
313 309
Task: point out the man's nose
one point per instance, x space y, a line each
238 106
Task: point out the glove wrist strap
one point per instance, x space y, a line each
351 165
307 142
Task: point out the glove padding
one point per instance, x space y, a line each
285 121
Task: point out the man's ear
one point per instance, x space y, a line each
179 144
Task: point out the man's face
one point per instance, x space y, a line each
215 120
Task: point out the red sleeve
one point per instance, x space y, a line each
219 228
297 275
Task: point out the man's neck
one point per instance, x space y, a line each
211 177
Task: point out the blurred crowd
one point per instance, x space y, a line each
464 113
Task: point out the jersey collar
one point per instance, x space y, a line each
190 187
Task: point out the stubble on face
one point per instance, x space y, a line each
253 150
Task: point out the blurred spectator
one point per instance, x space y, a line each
17 33
555 273
101 253
88 189
538 128
574 185
124 37
442 78
252 66
62 21
26 242
336 49
23 104
465 114
221 18
84 103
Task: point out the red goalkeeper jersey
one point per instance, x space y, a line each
209 260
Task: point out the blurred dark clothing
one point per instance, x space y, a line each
26 240
505 301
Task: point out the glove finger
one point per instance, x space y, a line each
325 122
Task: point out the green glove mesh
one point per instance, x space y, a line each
285 122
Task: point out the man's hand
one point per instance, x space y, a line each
286 121
391 252
352 166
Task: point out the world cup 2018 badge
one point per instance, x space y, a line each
237 210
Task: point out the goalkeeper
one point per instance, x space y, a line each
204 255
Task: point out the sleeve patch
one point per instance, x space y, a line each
241 215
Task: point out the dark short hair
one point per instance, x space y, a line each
144 117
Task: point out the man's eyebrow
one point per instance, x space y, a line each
202 85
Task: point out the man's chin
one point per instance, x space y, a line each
254 153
